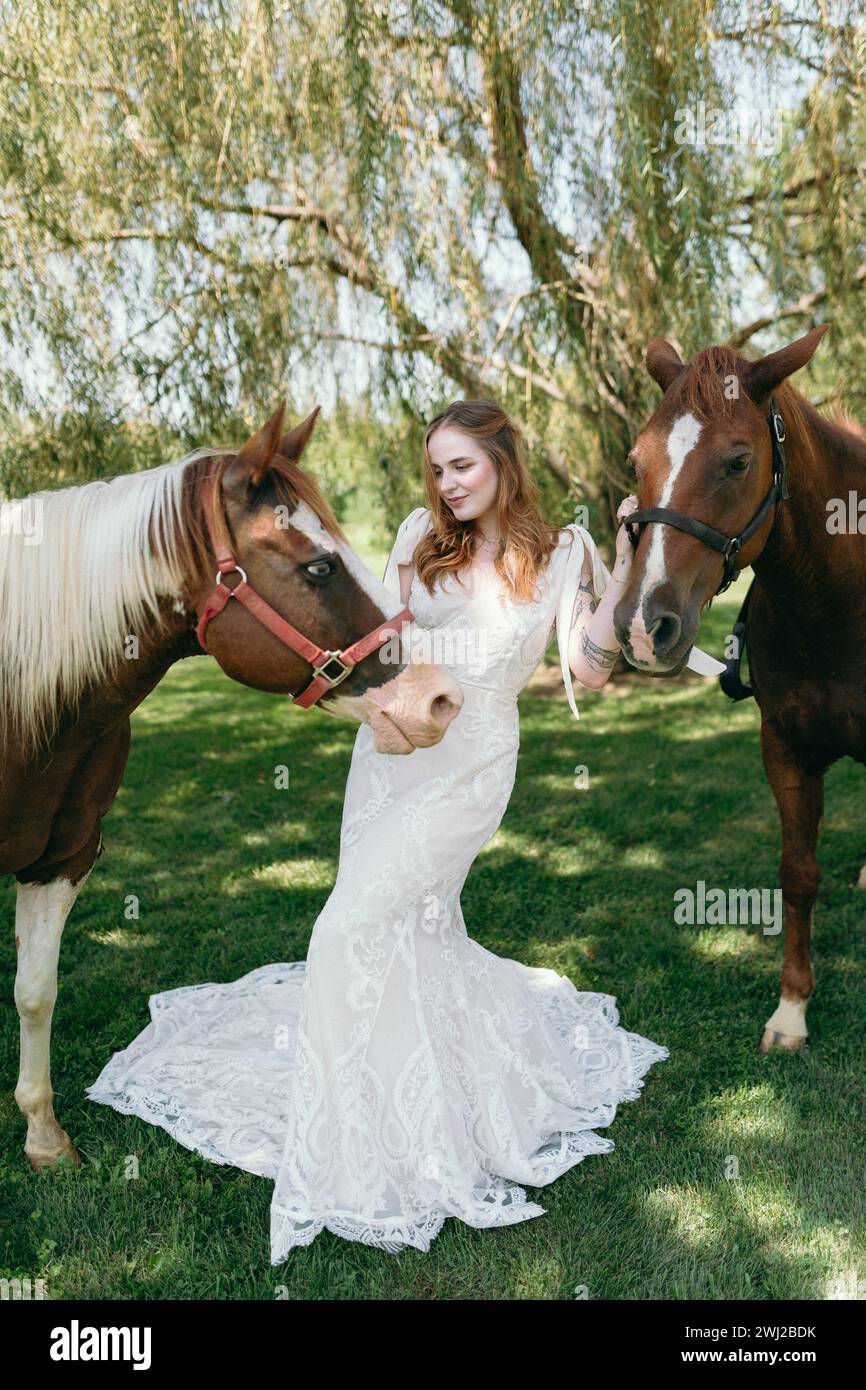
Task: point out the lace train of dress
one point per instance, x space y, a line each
403 1073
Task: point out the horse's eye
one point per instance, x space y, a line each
739 465
320 569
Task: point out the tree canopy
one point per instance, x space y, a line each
208 206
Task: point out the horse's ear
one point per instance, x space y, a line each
254 458
768 372
663 362
293 444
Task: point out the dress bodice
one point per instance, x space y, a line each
478 635
482 635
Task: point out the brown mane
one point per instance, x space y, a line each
842 420
701 390
291 485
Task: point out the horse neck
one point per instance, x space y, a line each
803 566
161 644
171 635
80 661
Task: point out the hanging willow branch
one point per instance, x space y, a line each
438 197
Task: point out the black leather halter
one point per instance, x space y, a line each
728 546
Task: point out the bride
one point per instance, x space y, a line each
403 1073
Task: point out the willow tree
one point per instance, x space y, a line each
204 206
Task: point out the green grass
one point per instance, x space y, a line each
231 873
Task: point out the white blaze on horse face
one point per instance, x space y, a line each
414 708
304 519
683 437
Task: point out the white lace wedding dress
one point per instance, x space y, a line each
403 1073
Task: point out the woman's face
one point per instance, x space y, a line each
465 475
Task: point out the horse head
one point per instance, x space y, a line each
310 619
707 461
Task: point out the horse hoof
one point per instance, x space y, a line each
67 1156
773 1041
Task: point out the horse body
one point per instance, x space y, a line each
51 810
807 663
51 806
806 625
807 617
817 709
82 644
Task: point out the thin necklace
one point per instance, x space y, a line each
489 543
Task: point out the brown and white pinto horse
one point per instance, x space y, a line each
707 455
99 598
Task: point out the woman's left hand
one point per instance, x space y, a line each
624 548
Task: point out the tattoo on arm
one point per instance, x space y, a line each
599 658
596 656
588 589
584 590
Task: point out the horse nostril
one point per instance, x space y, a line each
665 632
443 709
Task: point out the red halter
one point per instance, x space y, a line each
329 668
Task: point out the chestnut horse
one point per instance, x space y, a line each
733 469
110 588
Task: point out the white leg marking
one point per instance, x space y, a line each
40 916
789 1018
683 437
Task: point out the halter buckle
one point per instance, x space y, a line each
334 659
779 427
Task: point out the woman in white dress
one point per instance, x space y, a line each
403 1073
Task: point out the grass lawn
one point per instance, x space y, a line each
231 873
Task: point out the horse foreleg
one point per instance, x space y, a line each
40 916
800 799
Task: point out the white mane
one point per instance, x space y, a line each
80 569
